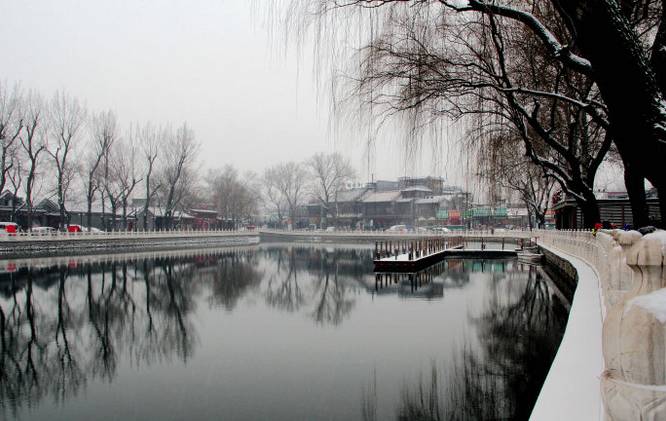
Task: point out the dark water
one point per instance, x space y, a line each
274 333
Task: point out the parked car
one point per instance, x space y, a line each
397 228
74 228
10 228
81 228
43 230
330 229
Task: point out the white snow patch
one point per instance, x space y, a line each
654 303
660 236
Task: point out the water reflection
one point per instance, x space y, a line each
498 375
82 321
62 326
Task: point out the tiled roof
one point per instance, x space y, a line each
379 197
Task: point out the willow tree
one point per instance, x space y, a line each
602 63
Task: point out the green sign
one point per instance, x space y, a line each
442 214
501 212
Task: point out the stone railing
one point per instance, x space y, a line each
632 274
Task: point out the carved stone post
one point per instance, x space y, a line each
634 337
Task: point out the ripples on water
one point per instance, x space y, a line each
276 332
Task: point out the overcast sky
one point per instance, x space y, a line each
208 62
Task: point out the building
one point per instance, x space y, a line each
156 219
434 184
615 209
412 201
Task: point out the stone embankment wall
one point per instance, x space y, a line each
61 244
562 271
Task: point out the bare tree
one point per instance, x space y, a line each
11 124
126 168
33 142
148 137
424 63
66 121
15 179
289 181
103 132
177 173
501 164
234 198
274 199
627 84
110 182
329 173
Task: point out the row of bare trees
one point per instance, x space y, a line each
539 71
58 149
321 177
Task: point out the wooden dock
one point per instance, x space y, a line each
413 255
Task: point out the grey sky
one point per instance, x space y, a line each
209 62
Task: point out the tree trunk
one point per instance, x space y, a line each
626 82
590 209
89 212
635 183
662 206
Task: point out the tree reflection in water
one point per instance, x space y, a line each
63 326
500 378
319 281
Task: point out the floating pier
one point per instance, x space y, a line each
413 255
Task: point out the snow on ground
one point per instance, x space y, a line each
572 388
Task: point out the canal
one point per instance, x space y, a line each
279 332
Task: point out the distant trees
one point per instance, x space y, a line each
59 150
50 147
329 173
287 183
235 198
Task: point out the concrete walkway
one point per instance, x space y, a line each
572 388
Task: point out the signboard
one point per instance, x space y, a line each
517 211
481 212
443 214
501 212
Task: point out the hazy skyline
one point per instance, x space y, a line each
210 63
